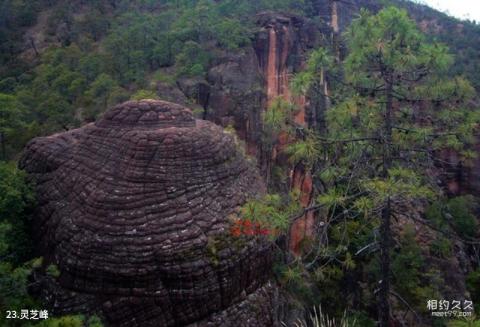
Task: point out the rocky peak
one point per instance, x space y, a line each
147 113
135 211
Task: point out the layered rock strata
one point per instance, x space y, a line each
135 211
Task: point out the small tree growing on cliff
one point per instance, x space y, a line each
312 82
277 120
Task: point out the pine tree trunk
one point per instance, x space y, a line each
4 152
384 305
385 230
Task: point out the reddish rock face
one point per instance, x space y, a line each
133 209
281 50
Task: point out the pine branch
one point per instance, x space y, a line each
406 304
472 241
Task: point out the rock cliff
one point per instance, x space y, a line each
135 211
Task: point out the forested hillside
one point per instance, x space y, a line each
362 122
63 63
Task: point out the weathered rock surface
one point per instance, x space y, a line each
237 96
134 210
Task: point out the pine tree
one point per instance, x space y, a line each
383 135
11 114
403 108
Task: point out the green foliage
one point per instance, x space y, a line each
464 222
462 36
160 76
133 45
13 287
441 247
465 322
307 151
101 89
12 123
212 251
15 16
10 114
377 156
71 321
102 93
394 37
457 212
129 40
276 119
295 279
231 34
401 183
100 51
53 271
407 266
292 275
389 44
318 64
272 212
144 94
16 200
435 214
319 60
473 286
361 318
16 262
388 56
94 321
192 60
335 196
109 50
301 82
336 266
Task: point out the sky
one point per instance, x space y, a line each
464 9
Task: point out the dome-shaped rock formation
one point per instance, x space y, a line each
135 211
